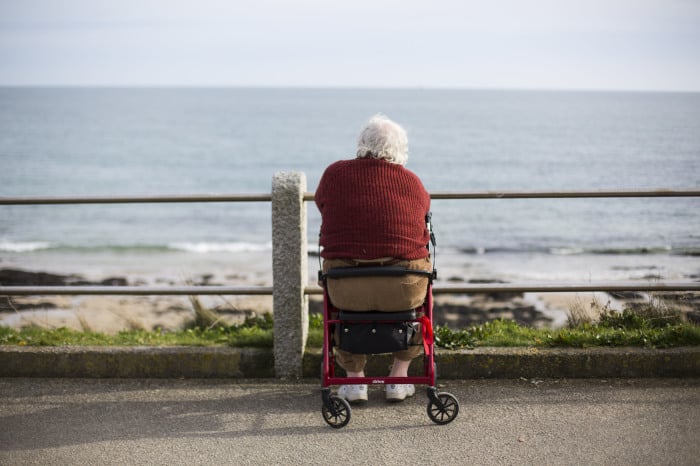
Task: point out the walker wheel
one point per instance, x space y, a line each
443 410
336 415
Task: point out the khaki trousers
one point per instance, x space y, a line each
378 294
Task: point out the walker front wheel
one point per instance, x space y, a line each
336 412
443 409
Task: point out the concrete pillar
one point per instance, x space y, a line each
289 272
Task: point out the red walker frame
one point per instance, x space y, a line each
329 377
442 407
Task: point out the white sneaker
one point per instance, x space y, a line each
399 392
353 393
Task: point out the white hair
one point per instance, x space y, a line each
383 139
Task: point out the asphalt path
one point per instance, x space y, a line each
173 422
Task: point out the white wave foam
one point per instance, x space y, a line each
205 247
565 251
25 246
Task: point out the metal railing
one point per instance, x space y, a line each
290 288
521 287
137 199
117 290
309 196
605 286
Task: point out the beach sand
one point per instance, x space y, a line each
111 314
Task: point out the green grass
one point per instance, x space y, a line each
614 329
254 332
508 333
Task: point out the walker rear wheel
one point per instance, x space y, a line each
336 415
443 409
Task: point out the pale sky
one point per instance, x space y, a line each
522 44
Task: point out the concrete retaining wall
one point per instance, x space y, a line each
508 363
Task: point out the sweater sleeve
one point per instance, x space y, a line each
321 194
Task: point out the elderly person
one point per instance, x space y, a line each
373 213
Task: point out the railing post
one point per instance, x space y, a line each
289 272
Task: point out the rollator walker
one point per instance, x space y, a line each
376 332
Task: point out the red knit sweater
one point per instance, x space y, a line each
370 209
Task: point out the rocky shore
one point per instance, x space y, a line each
111 314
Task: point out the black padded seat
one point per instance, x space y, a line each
387 271
377 315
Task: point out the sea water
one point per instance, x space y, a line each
141 141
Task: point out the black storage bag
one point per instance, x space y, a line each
375 337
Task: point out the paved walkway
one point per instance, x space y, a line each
593 421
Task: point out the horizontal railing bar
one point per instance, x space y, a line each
163 198
564 287
309 196
565 194
553 287
681 192
134 290
314 290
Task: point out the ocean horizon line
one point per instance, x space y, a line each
336 88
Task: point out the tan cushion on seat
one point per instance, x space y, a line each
389 294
